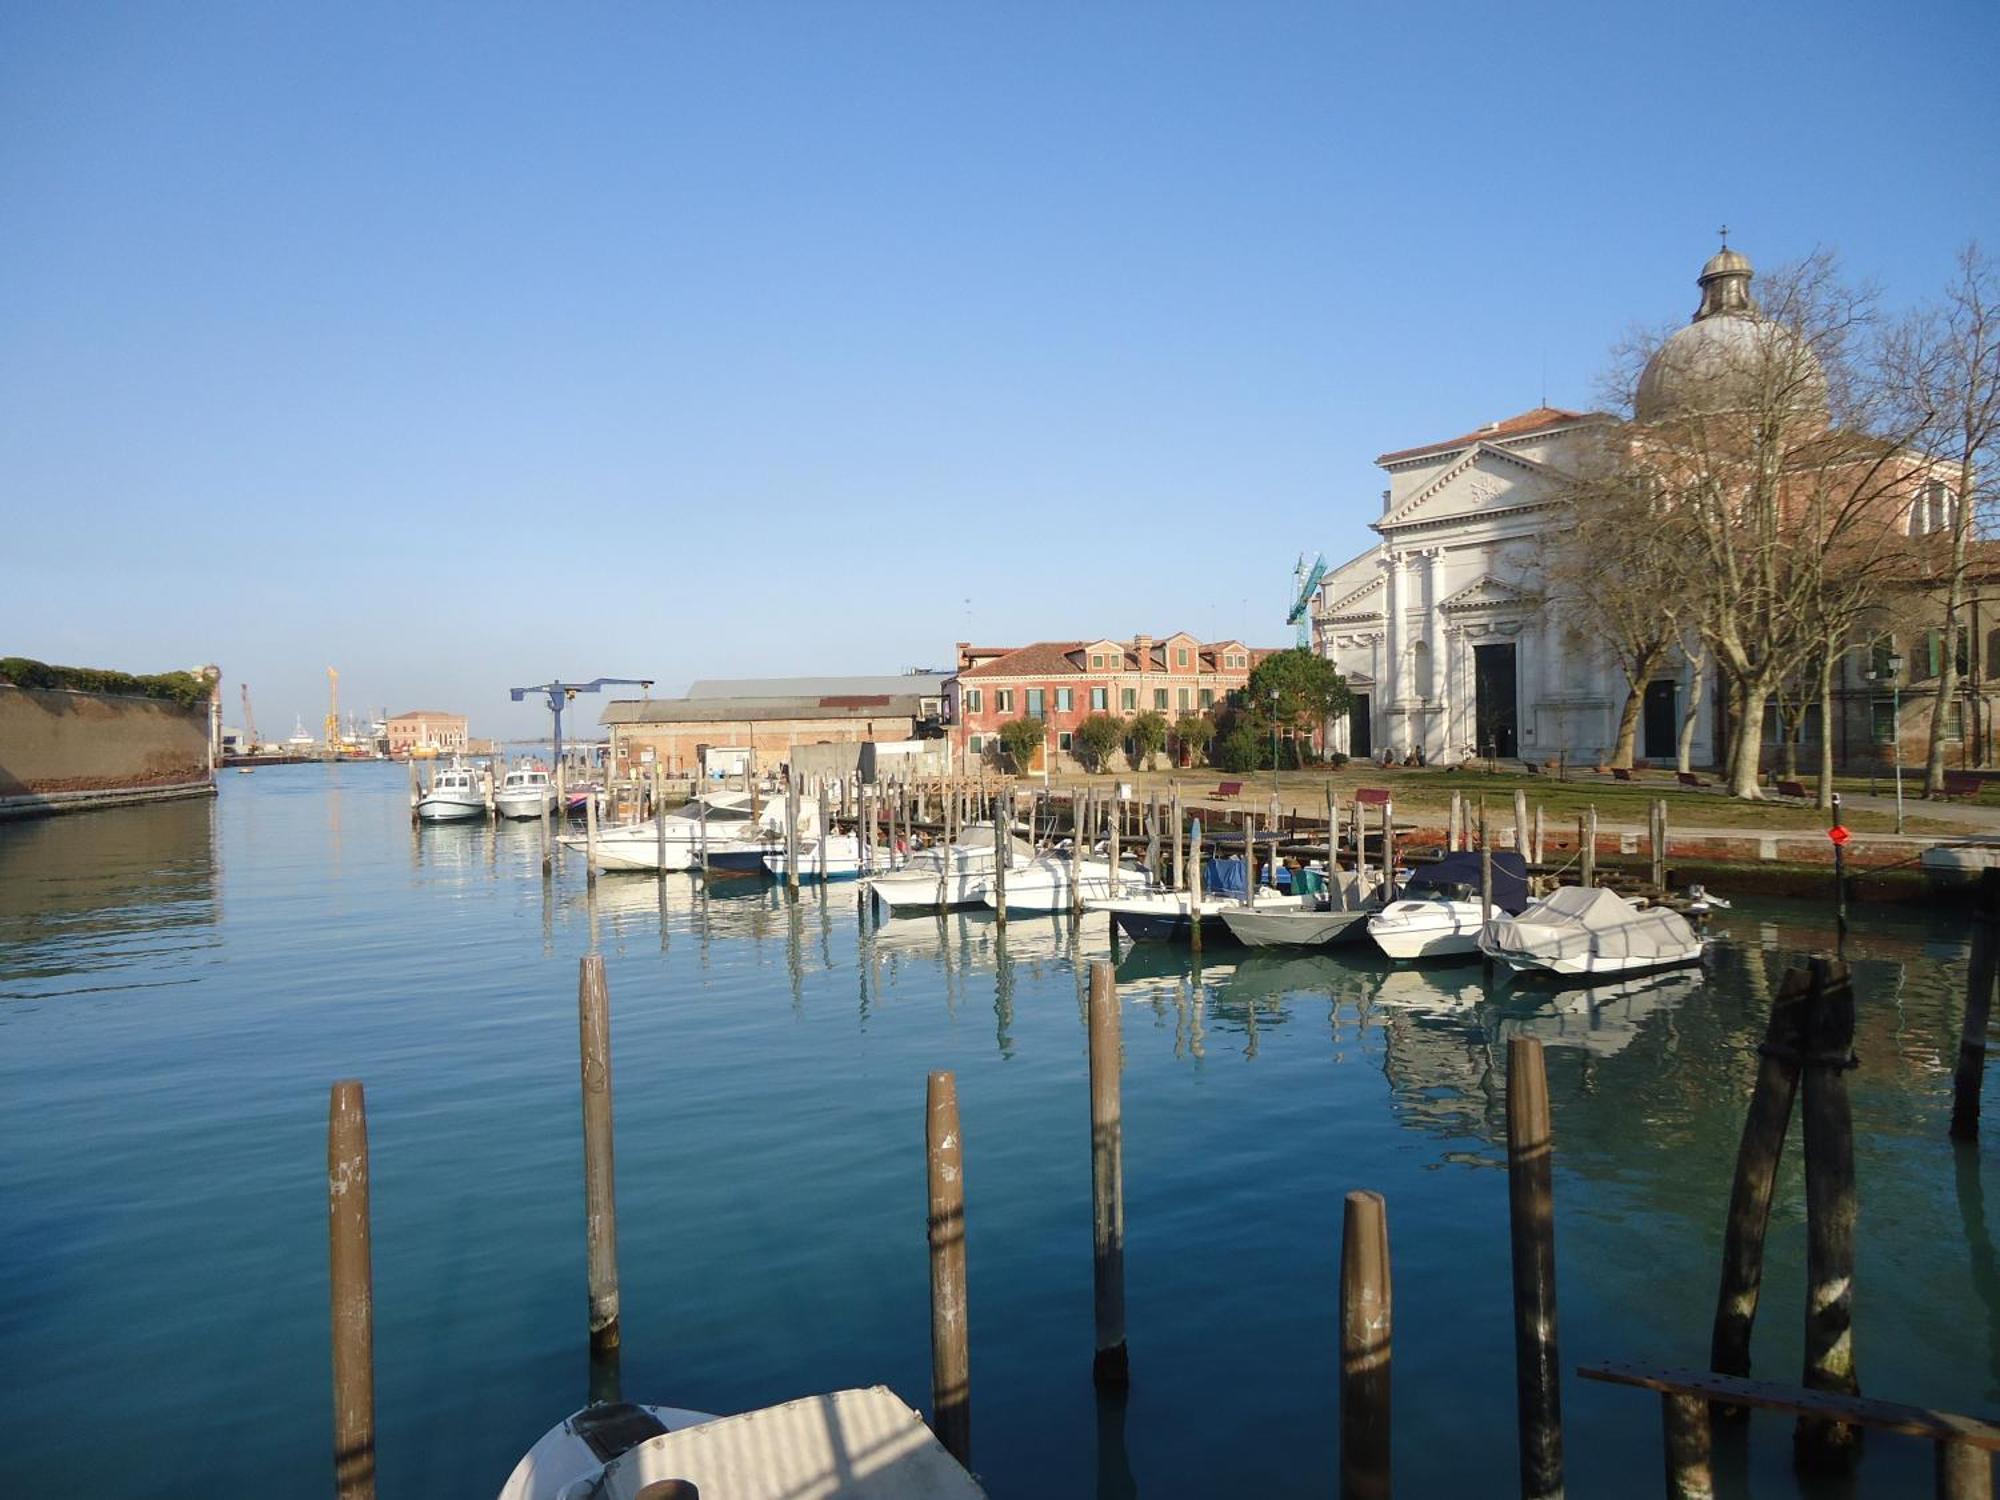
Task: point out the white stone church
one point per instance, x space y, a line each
1442 630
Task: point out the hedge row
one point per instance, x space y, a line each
184 688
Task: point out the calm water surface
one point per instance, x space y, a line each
179 985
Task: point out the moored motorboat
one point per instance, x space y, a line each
1438 912
674 841
1168 916
525 792
1578 931
845 858
1043 884
911 880
1341 912
855 1444
455 793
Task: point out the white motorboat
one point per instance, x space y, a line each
1168 916
857 1444
1580 930
1043 884
845 858
1438 913
911 882
455 793
525 792
640 846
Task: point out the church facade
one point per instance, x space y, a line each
1449 644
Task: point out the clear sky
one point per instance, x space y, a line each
459 346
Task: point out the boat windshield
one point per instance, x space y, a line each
692 812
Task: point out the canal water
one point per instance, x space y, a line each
180 984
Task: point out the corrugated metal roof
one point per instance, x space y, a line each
742 710
929 684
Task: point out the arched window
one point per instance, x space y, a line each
1420 670
1933 510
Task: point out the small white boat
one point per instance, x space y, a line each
911 882
1043 884
1168 916
1439 915
455 794
857 1445
638 846
1578 930
844 858
525 793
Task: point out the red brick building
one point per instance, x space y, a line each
1062 683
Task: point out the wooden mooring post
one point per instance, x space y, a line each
548 848
1970 1073
1827 1118
351 1271
1076 838
1454 834
825 828
1003 853
1180 827
1110 1367
1194 886
1587 837
600 1203
1365 1348
951 1357
1532 1216
1521 823
416 791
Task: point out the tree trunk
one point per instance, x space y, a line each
1827 660
1746 747
1697 690
1628 727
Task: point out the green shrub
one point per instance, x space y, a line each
185 688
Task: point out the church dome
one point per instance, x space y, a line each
1730 357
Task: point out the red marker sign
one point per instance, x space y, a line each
1838 834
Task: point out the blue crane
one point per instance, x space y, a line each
1306 580
560 693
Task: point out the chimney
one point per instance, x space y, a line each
1143 645
964 655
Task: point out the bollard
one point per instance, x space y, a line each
1109 1367
1971 1070
1764 1126
353 1279
1532 1215
1827 1119
600 1204
951 1361
1365 1349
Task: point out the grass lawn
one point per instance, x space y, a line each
1429 791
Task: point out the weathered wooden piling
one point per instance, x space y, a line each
1076 841
1968 1077
659 836
1365 1348
1757 1158
1828 1128
1359 834
1117 838
600 1203
352 1274
1454 835
1249 856
1540 831
1332 829
416 792
951 1353
1003 854
1589 867
590 837
1485 876
1689 1447
1532 1216
548 849
1521 822
1180 826
1194 885
1110 1367
1389 850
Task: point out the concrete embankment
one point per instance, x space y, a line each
63 750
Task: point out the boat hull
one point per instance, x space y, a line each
524 805
448 810
1301 929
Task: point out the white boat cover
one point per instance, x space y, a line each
1596 928
859 1445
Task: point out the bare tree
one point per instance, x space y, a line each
1943 365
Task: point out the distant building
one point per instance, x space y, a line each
427 731
724 720
1062 683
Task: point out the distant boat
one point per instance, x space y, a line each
455 794
525 793
300 740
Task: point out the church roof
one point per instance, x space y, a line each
1528 421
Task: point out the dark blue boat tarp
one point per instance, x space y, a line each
1223 878
1457 875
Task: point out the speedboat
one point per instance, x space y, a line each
525 793
1438 914
1168 916
746 852
455 794
1340 912
845 854
640 846
963 868
1580 930
857 1444
1043 884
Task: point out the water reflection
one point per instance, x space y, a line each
124 898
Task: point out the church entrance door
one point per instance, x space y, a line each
1360 737
1495 716
1662 719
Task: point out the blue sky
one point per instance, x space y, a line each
462 345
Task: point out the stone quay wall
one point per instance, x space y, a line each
62 750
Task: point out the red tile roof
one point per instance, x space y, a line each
1526 422
1043 658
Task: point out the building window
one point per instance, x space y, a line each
976 744
1180 656
1160 699
1100 699
972 700
1062 740
1186 700
1128 699
1097 661
1954 721
1931 511
1003 700
1065 700
1035 700
1208 697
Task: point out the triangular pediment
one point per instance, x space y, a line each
1488 592
1481 480
1349 602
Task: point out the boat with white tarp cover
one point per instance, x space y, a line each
1583 930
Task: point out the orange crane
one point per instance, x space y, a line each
249 723
332 712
